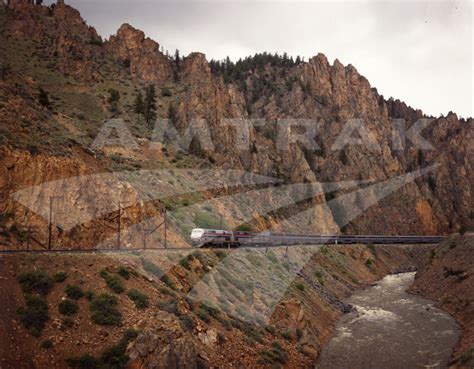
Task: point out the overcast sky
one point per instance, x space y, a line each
420 52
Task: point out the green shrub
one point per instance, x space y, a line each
68 307
187 323
67 323
286 335
115 356
372 248
220 254
369 263
46 344
203 314
252 333
167 280
170 306
60 277
275 355
270 329
112 281
83 362
74 292
89 295
124 273
300 286
104 310
152 268
185 262
139 298
34 315
112 358
36 281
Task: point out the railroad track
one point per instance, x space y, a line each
302 241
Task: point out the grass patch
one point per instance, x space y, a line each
139 298
34 315
104 310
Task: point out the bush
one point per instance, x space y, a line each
275 355
46 344
166 280
112 281
60 277
185 262
124 273
152 268
372 248
84 362
203 315
74 292
104 310
170 306
36 281
166 92
68 307
300 286
67 323
220 254
139 298
187 323
286 335
34 315
115 357
112 358
89 295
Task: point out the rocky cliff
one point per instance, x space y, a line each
52 49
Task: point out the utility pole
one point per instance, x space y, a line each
119 225
50 226
150 231
166 229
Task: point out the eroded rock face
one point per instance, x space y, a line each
142 55
164 345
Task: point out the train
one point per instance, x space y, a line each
214 238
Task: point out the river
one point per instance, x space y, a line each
391 329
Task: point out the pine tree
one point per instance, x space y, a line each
150 103
139 105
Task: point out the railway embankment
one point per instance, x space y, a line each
448 278
178 308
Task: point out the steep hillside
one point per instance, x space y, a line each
60 82
449 279
179 309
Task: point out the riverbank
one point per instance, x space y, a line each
391 329
448 279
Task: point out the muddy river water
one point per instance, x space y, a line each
391 329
